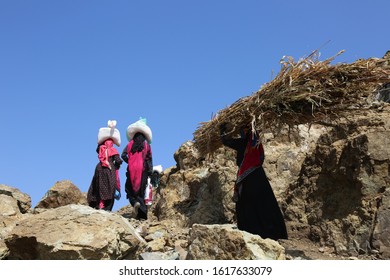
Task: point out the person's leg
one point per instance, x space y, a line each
93 204
108 204
142 211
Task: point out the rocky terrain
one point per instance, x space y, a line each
332 182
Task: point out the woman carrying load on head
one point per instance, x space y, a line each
257 209
138 156
105 186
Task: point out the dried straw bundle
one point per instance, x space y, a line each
307 91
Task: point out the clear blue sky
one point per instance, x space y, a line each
66 67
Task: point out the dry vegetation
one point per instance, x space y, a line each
303 92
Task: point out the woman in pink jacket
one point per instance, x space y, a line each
138 156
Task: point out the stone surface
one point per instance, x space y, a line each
61 194
73 232
23 200
224 242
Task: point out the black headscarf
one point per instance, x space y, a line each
138 144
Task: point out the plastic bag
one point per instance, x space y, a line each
117 195
109 132
139 126
148 198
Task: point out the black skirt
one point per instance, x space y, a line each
257 209
103 182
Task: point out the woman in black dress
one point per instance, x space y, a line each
105 186
257 209
105 182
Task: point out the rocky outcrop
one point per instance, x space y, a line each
80 232
23 200
224 242
61 194
14 205
341 194
199 192
331 180
73 232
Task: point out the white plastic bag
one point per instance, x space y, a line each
139 126
109 132
148 198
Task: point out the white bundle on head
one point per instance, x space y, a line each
111 123
110 132
139 126
158 168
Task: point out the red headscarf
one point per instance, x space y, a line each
106 150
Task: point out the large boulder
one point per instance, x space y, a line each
13 207
23 200
73 232
62 193
342 191
224 242
186 156
199 192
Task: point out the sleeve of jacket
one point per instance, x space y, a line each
149 160
117 161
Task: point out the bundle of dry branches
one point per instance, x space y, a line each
303 92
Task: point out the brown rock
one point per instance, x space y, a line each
224 242
73 232
61 194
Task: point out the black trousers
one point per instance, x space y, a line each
139 197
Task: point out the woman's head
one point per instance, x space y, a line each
139 137
109 142
244 131
138 144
